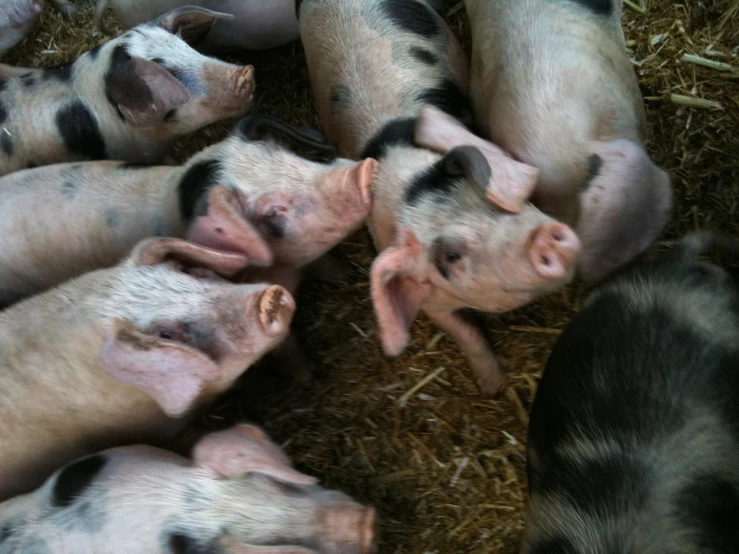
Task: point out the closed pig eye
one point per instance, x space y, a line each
446 255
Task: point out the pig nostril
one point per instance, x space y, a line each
545 261
558 237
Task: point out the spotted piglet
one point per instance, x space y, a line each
634 435
453 227
125 100
552 84
124 355
238 495
255 198
17 18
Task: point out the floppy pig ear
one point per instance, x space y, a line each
154 251
192 23
510 183
143 91
170 372
219 223
397 297
246 449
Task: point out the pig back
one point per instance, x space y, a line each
634 431
372 62
547 78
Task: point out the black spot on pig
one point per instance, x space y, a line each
340 97
69 189
28 80
80 132
709 506
6 531
61 73
423 55
6 143
112 218
595 162
94 52
398 132
196 182
450 98
74 479
599 7
179 543
3 113
434 181
413 17
552 545
599 486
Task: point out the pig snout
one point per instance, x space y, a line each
554 251
232 90
275 308
349 528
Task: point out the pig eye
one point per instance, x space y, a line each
452 256
165 335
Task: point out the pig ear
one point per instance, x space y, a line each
143 91
246 449
155 251
219 223
396 296
191 23
170 372
510 183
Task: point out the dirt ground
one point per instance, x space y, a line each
445 467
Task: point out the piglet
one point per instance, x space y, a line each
256 24
551 83
255 198
452 226
238 495
634 434
128 99
17 18
126 354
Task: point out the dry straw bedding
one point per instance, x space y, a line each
444 466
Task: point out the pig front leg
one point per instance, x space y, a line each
475 346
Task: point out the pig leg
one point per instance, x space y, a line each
475 347
16 19
625 204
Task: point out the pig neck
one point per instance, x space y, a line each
400 166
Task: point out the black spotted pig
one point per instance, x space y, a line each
255 198
634 434
125 354
256 24
17 18
552 84
238 495
453 228
125 100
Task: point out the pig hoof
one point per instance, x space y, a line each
493 387
276 307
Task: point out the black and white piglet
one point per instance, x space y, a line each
128 99
634 436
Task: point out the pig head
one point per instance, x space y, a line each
578 116
299 208
140 345
238 495
450 247
127 99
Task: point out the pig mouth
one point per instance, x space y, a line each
275 308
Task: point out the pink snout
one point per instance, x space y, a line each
554 251
275 308
350 529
